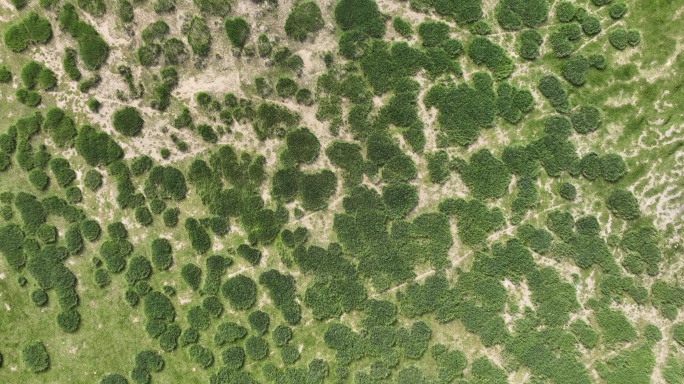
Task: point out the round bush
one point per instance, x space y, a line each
198 318
143 216
233 357
240 291
39 179
117 230
568 191
289 354
612 167
36 357
619 38
400 198
90 229
618 10
102 278
170 217
286 87
128 121
303 145
201 356
259 322
158 307
586 119
304 18
213 306
256 348
162 254
282 335
157 206
69 321
113 378
39 297
138 269
623 204
192 275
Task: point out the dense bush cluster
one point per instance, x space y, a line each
92 48
282 290
483 52
552 88
485 176
360 15
516 14
96 147
37 76
32 29
475 220
166 182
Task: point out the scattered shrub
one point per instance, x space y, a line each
199 36
551 87
199 238
586 119
233 357
567 191
259 322
201 356
170 217
113 378
162 254
612 167
576 69
32 29
69 321
483 51
139 268
256 348
403 27
5 74
361 15
514 14
304 18
286 87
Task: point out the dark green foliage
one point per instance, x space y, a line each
520 161
331 297
90 230
576 69
117 230
551 87
302 145
414 342
189 336
567 191
5 74
213 306
259 322
213 7
92 48
162 258
623 204
166 183
642 242
282 335
563 37
229 333
62 171
35 356
31 210
303 96
590 166
433 33
483 52
289 354
46 233
124 10
252 255
516 14
199 36
39 179
565 11
139 268
96 147
618 10
32 29
619 38
36 76
316 189
39 297
615 326
237 30
174 51
128 121
240 291
69 63
73 195
612 167
256 348
198 318
485 176
141 165
102 278
19 4
634 365
158 307
591 26
233 357
192 275
584 333
69 321
272 118
207 133
438 166
539 240
304 18
170 217
361 15
201 356
403 27
463 110
28 98
199 238
512 103
586 119
113 378
399 168
286 87
400 199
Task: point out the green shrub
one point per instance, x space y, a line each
316 189
361 15
515 14
69 321
551 87
201 356
586 119
170 217
158 307
618 38
32 212
92 48
5 74
139 268
199 36
69 63
47 233
27 97
229 333
61 169
612 167
304 18
286 87
400 199
259 322
166 183
403 27
252 255
90 230
113 378
623 204
162 258
237 30
207 133
302 145
199 238
567 191
483 52
101 278
213 306
128 121
174 51
475 219
39 179
192 275
617 10
485 176
399 168
303 96
36 357
433 33
565 11
198 318
32 29
213 7
240 291
576 69
233 357
282 335
256 348
96 148
124 10
529 43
